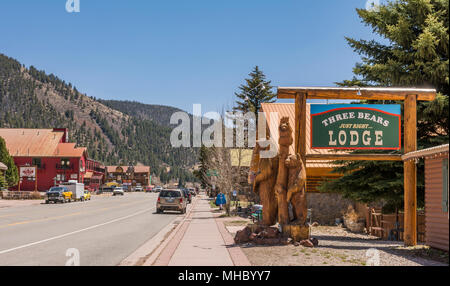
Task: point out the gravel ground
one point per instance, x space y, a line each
337 247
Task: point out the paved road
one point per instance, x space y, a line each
104 230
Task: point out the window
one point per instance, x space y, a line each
36 162
445 185
65 163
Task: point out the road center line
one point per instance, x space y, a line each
67 215
75 232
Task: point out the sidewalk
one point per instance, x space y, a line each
200 241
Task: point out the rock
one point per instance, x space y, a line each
242 236
306 243
296 243
272 232
314 241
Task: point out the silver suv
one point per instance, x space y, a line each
171 200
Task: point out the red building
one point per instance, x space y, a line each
56 160
95 174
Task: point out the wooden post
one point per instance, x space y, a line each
300 125
35 178
410 144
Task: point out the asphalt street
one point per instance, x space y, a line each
102 231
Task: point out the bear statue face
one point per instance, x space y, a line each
285 131
293 161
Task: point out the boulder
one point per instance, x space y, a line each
306 243
243 236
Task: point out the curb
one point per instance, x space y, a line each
162 254
237 255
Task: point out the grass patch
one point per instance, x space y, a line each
212 204
295 254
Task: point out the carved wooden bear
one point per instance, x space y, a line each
264 186
296 193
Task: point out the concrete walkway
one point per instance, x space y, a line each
202 243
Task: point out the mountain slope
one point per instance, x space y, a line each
30 98
160 114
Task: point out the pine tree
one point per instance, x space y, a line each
201 174
11 175
415 53
255 91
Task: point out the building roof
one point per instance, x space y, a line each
3 167
441 149
69 150
246 157
288 110
22 142
137 169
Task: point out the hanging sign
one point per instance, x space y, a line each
27 172
355 126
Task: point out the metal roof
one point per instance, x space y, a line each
31 142
426 152
23 142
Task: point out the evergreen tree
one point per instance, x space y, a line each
255 91
11 175
416 53
201 173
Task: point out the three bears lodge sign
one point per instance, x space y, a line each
356 126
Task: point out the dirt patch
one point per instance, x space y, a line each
339 247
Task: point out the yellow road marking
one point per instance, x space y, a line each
67 215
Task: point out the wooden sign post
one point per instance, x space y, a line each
408 95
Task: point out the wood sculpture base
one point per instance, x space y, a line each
297 232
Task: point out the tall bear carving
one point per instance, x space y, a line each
296 194
264 186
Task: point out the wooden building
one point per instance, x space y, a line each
126 175
47 150
436 194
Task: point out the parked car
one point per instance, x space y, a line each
86 196
192 191
138 189
171 200
158 189
187 195
148 189
58 194
118 191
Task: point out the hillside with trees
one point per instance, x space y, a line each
30 98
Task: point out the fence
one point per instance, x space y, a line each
15 195
390 226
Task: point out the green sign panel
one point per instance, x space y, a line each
355 126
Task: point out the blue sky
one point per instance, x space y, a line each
176 52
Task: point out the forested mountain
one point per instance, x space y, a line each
30 98
160 114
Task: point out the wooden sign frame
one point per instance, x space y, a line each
409 96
